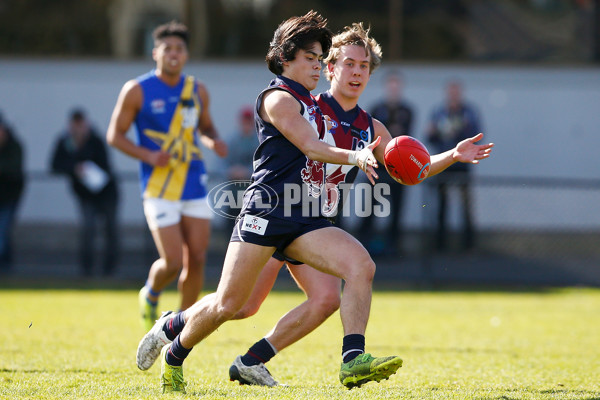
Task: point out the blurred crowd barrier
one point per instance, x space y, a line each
529 231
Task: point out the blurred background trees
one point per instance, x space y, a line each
533 31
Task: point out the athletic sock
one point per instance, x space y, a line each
152 293
174 326
353 345
177 353
260 352
152 303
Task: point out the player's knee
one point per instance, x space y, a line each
326 303
211 312
168 267
362 268
370 269
173 264
197 258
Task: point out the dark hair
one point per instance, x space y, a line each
172 28
294 34
77 114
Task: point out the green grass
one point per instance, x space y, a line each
80 344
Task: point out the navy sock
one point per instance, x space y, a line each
174 326
353 345
176 353
260 352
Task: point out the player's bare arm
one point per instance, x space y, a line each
128 105
283 111
379 130
467 151
209 135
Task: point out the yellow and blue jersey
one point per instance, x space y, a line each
168 120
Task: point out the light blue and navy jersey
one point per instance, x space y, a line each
277 162
168 120
350 130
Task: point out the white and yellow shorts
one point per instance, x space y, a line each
161 213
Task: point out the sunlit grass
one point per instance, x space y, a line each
70 344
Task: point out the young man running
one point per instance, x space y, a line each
169 108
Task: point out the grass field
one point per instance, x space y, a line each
80 344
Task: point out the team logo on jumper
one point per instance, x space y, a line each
312 112
157 106
254 224
333 124
313 175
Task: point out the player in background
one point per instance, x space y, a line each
171 115
353 57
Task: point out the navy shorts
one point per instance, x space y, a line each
282 257
271 231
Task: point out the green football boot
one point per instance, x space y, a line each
171 378
148 312
366 368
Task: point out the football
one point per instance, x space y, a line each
407 160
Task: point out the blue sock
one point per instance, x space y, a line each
176 353
260 352
152 303
174 326
152 293
353 345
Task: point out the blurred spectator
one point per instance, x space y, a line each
397 115
583 29
242 145
11 187
80 153
450 123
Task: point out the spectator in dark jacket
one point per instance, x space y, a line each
451 122
11 187
80 153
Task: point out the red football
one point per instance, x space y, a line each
407 160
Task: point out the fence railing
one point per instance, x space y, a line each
528 230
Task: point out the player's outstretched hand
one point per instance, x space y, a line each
469 152
366 161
